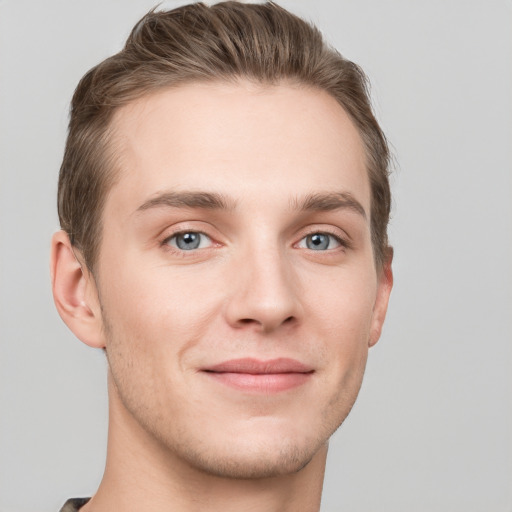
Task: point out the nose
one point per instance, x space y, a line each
264 293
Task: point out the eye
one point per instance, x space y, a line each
189 240
320 242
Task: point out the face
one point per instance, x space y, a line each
236 277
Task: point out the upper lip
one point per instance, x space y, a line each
257 367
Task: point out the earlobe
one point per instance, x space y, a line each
74 292
385 284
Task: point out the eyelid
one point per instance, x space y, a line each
167 240
342 238
337 233
186 226
216 238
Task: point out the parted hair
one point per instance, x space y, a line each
227 41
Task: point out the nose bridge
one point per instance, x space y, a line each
264 287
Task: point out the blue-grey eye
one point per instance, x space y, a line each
189 240
319 242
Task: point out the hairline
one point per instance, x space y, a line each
110 156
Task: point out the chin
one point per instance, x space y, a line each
268 448
258 449
258 462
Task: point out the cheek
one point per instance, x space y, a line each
343 310
158 310
343 301
150 318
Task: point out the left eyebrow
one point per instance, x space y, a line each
325 202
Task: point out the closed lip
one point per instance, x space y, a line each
260 367
255 376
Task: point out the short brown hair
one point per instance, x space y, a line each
223 42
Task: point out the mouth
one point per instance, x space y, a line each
253 375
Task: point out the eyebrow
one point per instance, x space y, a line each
203 200
329 201
319 202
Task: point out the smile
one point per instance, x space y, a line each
252 375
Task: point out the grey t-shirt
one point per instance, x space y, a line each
74 504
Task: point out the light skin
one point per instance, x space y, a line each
239 229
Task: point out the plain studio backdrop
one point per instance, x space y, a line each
432 428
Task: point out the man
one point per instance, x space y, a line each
223 200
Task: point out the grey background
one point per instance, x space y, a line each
432 429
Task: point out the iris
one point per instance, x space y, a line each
318 241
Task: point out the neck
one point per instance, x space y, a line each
142 474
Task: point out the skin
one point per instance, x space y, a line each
256 287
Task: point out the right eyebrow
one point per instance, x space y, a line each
202 200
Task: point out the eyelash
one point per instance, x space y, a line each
165 243
344 243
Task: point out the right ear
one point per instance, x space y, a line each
75 293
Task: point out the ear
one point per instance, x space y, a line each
75 293
384 286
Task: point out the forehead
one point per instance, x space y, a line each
245 140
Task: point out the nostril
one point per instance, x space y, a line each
249 321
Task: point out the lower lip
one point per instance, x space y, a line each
261 383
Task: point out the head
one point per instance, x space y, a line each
224 190
225 42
